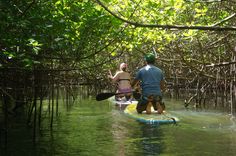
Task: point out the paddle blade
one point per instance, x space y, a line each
104 96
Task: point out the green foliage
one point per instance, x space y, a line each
82 35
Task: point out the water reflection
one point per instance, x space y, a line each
99 128
152 135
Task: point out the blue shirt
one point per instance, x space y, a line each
150 77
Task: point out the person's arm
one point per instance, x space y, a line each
135 81
115 77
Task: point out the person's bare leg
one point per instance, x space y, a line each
149 107
160 108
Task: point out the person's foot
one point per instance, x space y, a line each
117 98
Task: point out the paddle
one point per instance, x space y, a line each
104 96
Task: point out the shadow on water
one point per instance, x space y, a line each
99 128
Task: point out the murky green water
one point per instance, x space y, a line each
90 128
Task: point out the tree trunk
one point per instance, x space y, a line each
233 85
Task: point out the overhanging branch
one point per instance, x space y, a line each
179 27
221 64
224 20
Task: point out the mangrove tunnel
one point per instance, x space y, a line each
64 49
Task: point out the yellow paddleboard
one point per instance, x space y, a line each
153 118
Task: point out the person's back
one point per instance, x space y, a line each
122 78
150 77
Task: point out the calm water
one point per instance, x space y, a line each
90 128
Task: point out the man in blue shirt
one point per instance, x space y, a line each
152 83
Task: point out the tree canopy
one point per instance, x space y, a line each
86 38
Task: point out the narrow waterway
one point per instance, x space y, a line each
91 128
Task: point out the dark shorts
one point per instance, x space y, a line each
143 102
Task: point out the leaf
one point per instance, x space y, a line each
113 54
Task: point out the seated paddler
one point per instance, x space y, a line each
122 79
152 83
